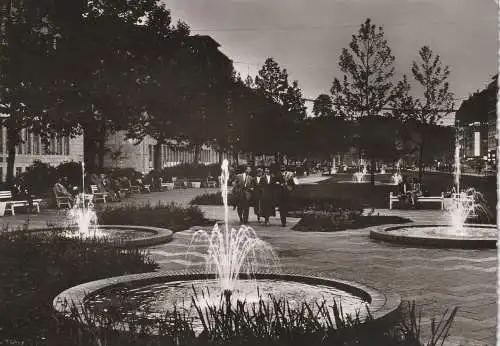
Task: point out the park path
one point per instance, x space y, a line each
436 279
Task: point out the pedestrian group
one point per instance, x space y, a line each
264 191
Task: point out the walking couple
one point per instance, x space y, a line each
264 192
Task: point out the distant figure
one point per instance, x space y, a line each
242 192
285 183
61 191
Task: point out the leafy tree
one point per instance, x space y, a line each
272 83
26 39
323 106
368 66
436 102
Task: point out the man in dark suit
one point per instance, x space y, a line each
242 191
264 201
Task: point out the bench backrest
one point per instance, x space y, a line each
93 188
5 195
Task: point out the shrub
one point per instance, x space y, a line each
208 199
72 170
323 204
314 221
171 216
39 177
35 269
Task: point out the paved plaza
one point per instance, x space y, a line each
436 278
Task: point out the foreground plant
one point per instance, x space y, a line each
271 321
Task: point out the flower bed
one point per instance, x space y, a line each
170 216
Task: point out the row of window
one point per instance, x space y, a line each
170 155
32 145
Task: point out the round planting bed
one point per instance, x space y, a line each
84 298
123 236
473 236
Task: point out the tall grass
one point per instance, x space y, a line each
270 321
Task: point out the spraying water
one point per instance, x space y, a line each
397 178
83 215
467 203
234 251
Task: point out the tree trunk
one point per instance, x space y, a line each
102 144
221 157
236 159
91 149
421 161
12 137
196 154
157 155
372 170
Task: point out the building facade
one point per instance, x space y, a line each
57 151
492 138
124 153
473 140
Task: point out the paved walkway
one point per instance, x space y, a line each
436 278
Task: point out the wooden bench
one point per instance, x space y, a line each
395 198
167 186
62 200
6 197
98 196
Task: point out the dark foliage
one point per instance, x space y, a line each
342 220
35 269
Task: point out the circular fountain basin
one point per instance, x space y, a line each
118 235
153 294
472 236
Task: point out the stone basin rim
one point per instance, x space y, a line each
158 235
383 306
383 233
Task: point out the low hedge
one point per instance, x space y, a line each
171 216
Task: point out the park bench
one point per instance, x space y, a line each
98 196
396 198
62 200
166 185
6 197
135 189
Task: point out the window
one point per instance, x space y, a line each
52 146
1 140
36 144
150 147
19 147
19 170
66 145
46 149
1 173
28 142
59 146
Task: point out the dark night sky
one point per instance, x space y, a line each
306 36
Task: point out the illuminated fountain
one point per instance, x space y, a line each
82 218
239 267
397 178
463 205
